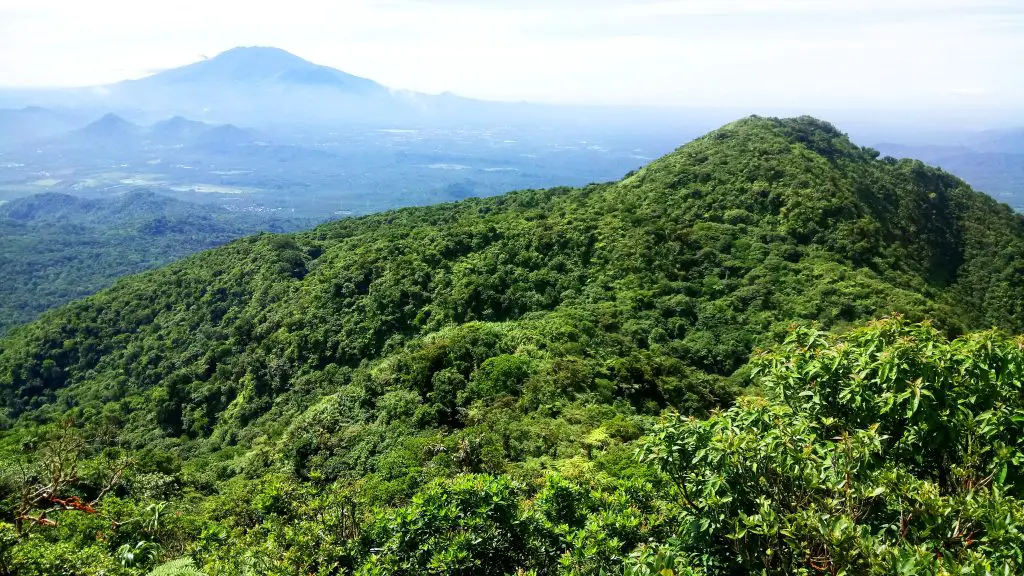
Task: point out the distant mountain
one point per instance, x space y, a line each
177 128
261 85
1009 141
226 135
33 123
200 135
110 130
248 86
257 66
111 125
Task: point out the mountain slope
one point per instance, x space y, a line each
714 246
55 248
992 161
540 331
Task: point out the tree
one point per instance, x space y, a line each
53 483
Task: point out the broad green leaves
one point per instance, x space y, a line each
887 449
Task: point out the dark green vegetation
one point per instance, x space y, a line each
1001 175
466 388
55 248
887 450
991 161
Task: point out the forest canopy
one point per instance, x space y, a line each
55 248
678 371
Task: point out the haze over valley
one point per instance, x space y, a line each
327 144
262 130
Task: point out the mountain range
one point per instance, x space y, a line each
112 131
277 91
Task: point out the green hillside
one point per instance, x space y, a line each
462 389
55 248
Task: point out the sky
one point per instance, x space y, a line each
896 54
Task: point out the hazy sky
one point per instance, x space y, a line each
842 53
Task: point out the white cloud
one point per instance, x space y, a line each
823 53
972 91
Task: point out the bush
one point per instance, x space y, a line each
884 450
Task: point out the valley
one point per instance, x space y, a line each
319 175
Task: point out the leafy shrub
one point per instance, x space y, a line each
887 449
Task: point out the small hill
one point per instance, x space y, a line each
177 129
113 132
226 136
48 206
55 247
110 126
109 131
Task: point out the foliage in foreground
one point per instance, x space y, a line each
884 450
887 450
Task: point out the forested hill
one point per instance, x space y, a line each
55 247
540 330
